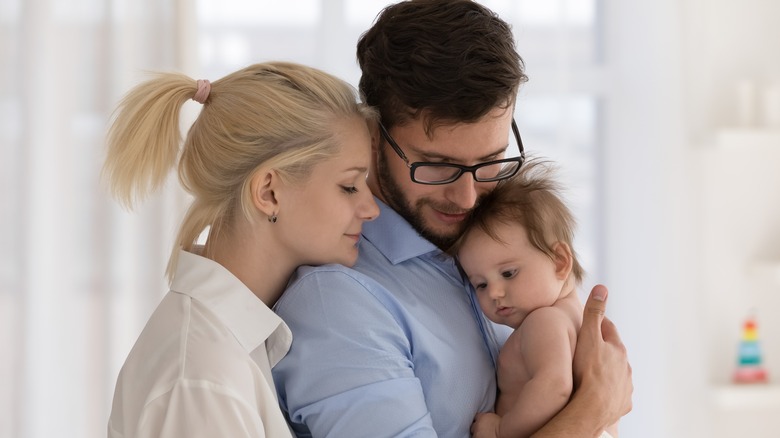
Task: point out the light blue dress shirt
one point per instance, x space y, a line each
396 346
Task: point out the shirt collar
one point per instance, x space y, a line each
394 237
245 315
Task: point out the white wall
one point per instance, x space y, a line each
725 42
646 207
675 296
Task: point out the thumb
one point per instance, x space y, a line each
595 308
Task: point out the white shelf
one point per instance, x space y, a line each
747 396
761 138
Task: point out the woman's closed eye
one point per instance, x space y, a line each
350 190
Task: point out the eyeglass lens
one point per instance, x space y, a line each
443 173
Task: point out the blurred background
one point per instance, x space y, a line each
664 117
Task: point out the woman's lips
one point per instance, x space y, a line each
355 237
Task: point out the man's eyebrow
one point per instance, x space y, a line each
443 157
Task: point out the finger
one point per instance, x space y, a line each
595 308
609 331
611 336
474 422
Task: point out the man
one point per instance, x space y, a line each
397 345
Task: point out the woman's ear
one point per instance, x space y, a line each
563 260
263 186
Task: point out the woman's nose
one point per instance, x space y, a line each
369 210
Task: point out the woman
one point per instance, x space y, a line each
276 164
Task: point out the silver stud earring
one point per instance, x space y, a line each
272 218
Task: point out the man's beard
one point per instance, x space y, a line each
394 197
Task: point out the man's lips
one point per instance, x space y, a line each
450 218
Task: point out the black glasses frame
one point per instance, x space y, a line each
461 169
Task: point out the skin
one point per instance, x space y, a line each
602 377
519 286
602 374
319 220
438 211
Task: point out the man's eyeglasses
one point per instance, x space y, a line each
423 172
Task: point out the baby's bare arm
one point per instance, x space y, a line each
543 369
602 377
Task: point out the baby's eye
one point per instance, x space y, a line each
509 274
479 286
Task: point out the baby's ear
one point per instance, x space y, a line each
563 260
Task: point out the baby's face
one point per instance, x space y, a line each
512 278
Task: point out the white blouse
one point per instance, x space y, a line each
202 365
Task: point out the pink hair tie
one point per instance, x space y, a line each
204 88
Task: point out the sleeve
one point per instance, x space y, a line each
349 372
199 409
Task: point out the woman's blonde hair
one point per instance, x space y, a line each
277 115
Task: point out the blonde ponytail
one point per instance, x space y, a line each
144 139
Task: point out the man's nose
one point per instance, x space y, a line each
463 191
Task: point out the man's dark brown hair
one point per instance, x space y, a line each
446 61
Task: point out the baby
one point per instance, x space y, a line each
517 252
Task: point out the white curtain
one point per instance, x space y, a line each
77 273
